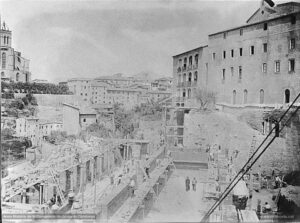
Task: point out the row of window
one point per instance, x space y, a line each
287 94
3 60
292 46
185 60
189 77
265 26
6 40
264 69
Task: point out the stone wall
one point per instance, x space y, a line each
53 99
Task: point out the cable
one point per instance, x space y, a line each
208 214
242 169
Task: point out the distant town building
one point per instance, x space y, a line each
253 64
81 87
76 119
29 128
190 70
40 81
35 129
127 91
14 67
46 127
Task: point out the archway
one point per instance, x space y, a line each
287 96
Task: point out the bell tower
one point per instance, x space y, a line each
5 35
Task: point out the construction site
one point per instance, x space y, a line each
135 180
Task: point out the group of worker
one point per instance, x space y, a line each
188 183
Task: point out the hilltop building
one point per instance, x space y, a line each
127 91
253 64
14 67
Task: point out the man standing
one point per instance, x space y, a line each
194 183
132 187
187 184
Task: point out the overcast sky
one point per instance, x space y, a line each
66 39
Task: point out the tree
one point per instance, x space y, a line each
205 97
25 101
18 104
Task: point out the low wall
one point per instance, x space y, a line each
148 201
52 99
253 116
115 200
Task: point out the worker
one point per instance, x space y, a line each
132 187
187 184
119 179
267 208
71 197
240 195
277 182
112 179
147 168
194 183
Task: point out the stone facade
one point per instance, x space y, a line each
14 67
190 73
257 63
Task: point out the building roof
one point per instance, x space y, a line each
71 106
198 48
123 89
273 16
87 111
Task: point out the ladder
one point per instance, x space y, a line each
56 182
251 151
252 148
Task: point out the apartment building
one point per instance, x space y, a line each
257 63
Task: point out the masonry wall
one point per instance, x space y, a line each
253 78
71 120
53 99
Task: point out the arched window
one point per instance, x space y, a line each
180 62
184 62
26 78
190 77
189 93
184 77
196 59
183 93
190 60
234 97
261 96
287 96
2 74
179 78
3 60
17 77
196 76
245 96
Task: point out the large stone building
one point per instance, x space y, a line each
190 73
14 67
127 91
253 64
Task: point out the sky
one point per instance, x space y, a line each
67 39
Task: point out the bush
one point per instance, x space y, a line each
25 101
18 104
